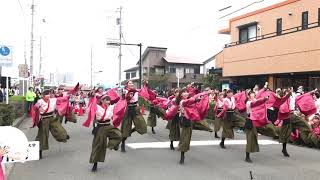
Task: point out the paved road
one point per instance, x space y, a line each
70 161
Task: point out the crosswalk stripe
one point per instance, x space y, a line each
156 145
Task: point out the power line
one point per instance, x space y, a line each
124 40
21 8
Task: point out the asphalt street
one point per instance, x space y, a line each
206 160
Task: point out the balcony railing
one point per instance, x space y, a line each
275 34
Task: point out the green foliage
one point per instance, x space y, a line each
17 99
156 81
212 81
7 115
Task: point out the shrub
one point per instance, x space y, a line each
7 115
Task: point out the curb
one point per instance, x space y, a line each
7 168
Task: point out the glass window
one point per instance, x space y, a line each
305 20
172 70
133 74
279 26
127 75
159 71
248 34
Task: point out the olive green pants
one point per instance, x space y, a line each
174 128
252 136
106 137
295 122
152 118
185 136
217 124
54 126
138 121
230 121
201 125
159 111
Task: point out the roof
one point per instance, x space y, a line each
212 58
181 60
132 69
150 48
274 6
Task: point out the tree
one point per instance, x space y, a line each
212 81
158 82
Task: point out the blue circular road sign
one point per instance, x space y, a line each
4 51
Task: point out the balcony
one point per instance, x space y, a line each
293 50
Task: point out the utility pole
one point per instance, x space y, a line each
32 40
91 68
40 61
120 41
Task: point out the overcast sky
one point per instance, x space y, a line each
188 28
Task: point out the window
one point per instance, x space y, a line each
127 75
152 70
305 20
159 71
197 70
279 26
172 70
247 33
133 74
318 16
145 70
189 70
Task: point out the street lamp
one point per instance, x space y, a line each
140 62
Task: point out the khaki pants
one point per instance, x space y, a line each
106 137
152 118
252 136
201 125
133 115
230 121
185 136
217 124
295 122
54 126
174 128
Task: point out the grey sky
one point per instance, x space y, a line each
187 28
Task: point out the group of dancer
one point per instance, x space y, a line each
115 116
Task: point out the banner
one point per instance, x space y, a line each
32 154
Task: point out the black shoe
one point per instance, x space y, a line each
222 145
276 137
116 148
248 160
285 153
182 158
94 168
65 121
153 132
40 154
68 137
216 135
123 147
171 146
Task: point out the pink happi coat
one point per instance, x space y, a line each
274 100
258 114
196 111
240 99
306 104
284 110
172 111
92 109
162 102
118 112
114 96
1 172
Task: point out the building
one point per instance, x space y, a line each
133 75
156 65
277 44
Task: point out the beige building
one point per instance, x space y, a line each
278 44
156 63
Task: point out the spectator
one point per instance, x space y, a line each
1 95
30 96
16 91
38 96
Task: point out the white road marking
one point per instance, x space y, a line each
155 145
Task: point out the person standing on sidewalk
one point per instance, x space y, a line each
30 96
